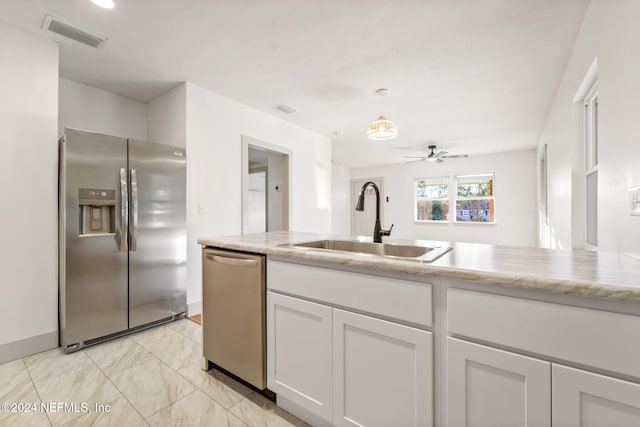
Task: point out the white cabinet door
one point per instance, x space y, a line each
382 373
493 388
299 353
584 399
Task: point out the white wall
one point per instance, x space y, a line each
257 202
214 126
609 32
167 118
340 200
29 189
515 198
87 108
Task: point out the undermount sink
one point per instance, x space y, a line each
388 250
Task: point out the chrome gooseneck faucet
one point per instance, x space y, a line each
378 232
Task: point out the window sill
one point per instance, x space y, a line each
475 222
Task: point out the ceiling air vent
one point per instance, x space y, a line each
288 109
53 24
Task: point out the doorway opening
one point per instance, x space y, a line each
266 189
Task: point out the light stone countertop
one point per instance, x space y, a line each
573 272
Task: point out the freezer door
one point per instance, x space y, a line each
93 230
157 227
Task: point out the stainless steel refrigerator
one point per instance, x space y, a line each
122 236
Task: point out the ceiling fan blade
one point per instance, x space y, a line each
439 160
441 153
455 156
414 157
422 159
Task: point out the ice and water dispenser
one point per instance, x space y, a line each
97 211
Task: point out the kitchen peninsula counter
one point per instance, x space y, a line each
452 334
572 272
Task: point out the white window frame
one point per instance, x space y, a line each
434 179
590 147
457 198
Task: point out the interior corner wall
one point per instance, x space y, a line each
215 125
340 200
95 110
610 33
29 188
167 118
515 198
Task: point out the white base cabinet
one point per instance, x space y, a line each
382 373
492 388
585 399
299 357
348 369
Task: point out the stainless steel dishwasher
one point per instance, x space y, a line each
233 313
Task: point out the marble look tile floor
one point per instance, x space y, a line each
152 378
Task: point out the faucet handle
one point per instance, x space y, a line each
386 232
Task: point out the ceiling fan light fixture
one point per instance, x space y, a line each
432 157
382 129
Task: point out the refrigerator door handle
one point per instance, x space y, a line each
121 231
134 211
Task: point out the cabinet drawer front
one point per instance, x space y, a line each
590 337
402 300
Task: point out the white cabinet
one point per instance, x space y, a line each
299 352
382 373
584 399
493 388
348 369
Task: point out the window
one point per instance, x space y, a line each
474 198
432 199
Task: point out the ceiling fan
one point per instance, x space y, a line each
434 157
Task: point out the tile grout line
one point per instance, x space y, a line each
33 383
162 362
189 338
198 387
222 381
117 388
171 404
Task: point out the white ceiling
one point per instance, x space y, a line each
469 76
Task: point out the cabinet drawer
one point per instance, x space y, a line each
591 337
402 300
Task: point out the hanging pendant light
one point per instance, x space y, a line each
382 128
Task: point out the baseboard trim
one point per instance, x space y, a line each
194 308
28 346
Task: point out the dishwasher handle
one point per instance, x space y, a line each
232 261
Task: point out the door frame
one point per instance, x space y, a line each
287 212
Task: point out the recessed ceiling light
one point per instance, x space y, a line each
106 4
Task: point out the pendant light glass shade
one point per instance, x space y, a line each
382 129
